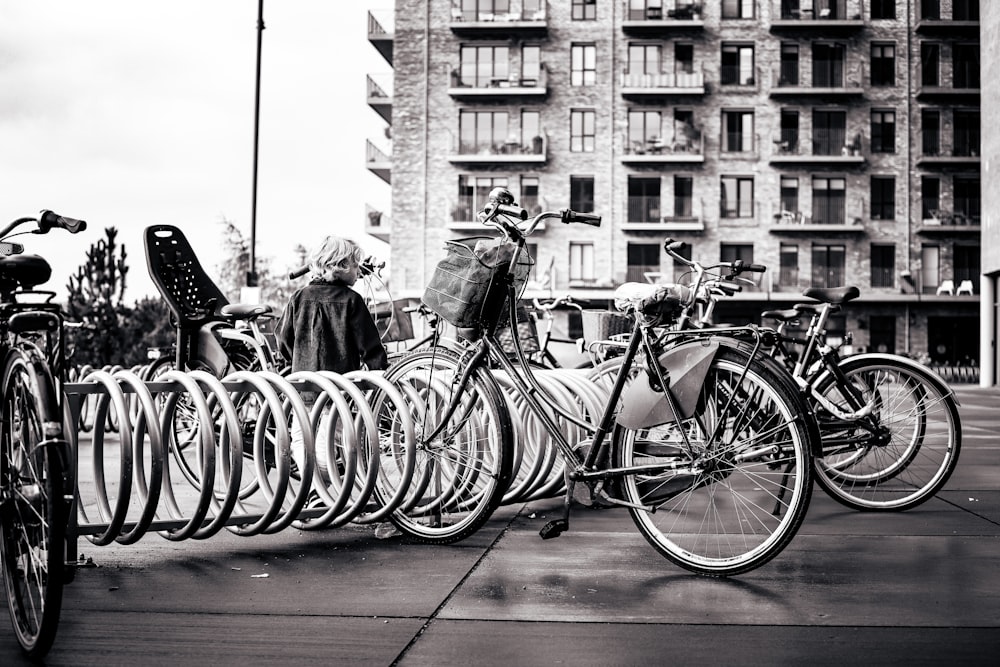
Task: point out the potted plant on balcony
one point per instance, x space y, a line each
374 218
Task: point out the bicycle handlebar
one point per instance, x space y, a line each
367 267
47 220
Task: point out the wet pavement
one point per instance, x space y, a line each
916 588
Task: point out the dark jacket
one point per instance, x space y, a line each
326 326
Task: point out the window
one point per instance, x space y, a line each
642 258
829 200
883 65
882 333
930 197
737 9
683 197
581 193
828 265
531 132
581 261
582 131
930 267
967 199
930 10
584 10
737 197
731 252
788 263
644 59
644 128
737 65
883 198
481 131
480 10
683 58
482 65
529 195
531 64
789 68
583 65
828 65
883 265
737 131
965 66
966 263
789 197
930 132
788 142
966 132
965 10
883 9
829 132
474 194
883 131
644 199
930 64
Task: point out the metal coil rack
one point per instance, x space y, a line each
187 454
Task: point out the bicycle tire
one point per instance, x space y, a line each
461 477
33 510
714 519
912 449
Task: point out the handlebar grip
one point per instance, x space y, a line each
755 268
298 273
512 210
592 219
47 220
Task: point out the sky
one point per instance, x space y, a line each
128 113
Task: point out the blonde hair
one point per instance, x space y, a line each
334 257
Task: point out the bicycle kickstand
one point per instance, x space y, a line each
557 527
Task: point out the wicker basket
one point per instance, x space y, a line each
604 324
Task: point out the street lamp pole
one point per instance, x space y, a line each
252 271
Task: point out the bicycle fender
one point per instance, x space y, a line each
915 366
685 368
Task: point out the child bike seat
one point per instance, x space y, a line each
192 296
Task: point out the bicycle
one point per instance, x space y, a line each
890 427
705 448
36 485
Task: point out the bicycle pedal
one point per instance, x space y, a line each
554 529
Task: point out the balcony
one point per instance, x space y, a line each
481 22
378 98
377 223
513 86
381 33
378 162
950 222
660 85
831 148
960 157
658 17
965 92
820 16
685 148
962 25
783 85
510 151
645 215
798 222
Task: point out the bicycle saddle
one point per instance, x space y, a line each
244 311
26 270
781 315
835 295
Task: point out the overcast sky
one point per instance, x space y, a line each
128 113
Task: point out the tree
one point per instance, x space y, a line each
96 295
275 286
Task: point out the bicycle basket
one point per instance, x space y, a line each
527 333
604 325
469 280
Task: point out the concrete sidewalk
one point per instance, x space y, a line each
919 587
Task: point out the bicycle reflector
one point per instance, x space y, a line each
8 248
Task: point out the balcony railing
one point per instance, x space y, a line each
377 223
662 13
511 149
821 13
835 145
822 83
378 161
512 84
683 147
380 32
517 12
652 212
665 83
379 90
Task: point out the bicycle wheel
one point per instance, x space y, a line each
460 476
900 454
733 494
33 510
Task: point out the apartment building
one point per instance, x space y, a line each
835 141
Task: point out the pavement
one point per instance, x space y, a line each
915 588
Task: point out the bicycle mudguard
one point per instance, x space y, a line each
685 368
915 366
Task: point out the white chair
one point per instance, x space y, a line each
946 287
965 287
